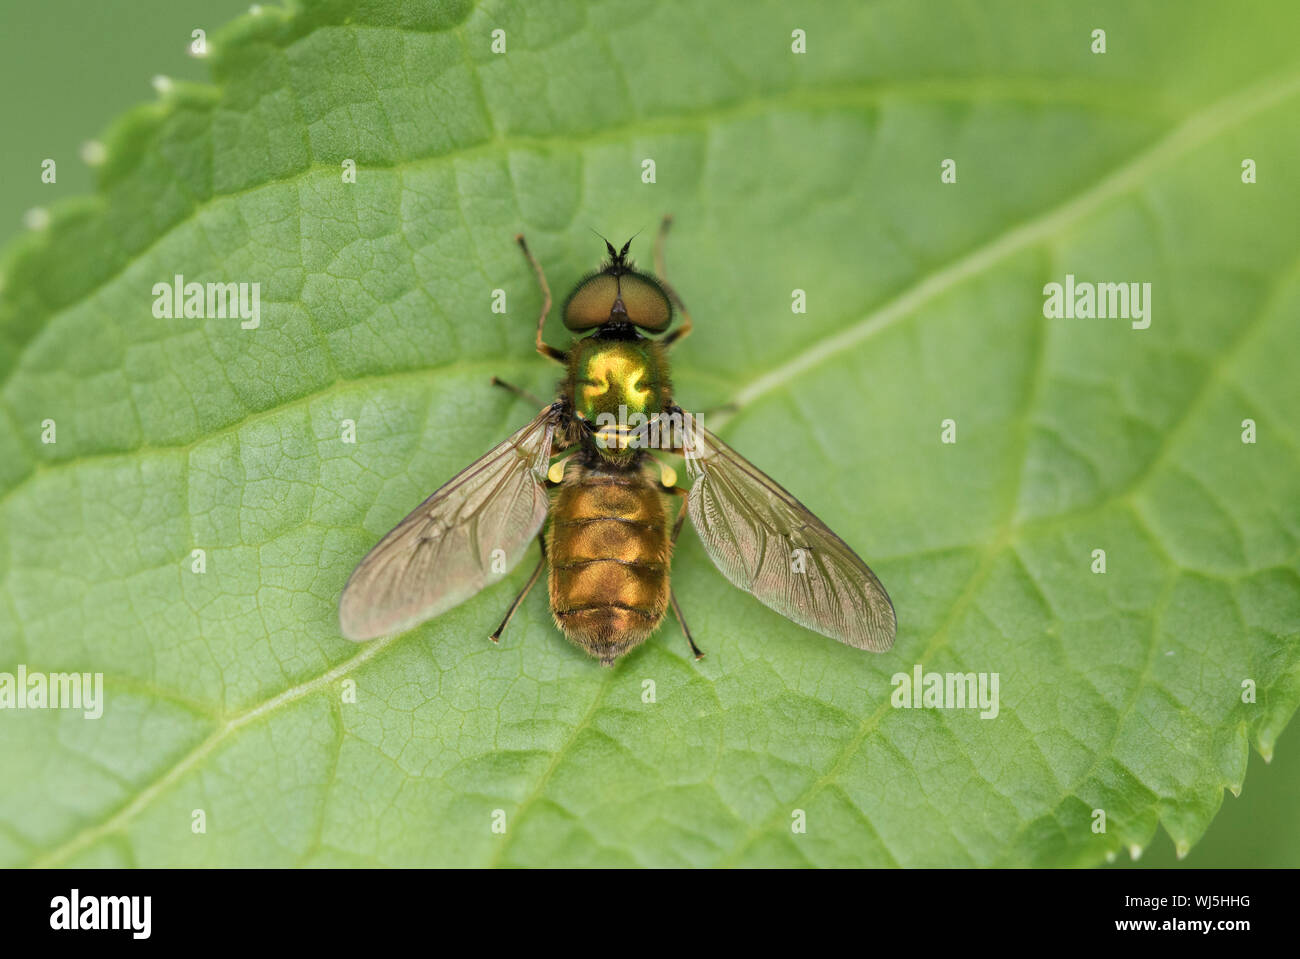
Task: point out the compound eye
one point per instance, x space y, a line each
590 304
646 303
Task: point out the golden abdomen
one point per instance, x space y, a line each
609 554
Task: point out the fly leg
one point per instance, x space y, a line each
532 581
672 596
542 347
660 272
518 391
677 611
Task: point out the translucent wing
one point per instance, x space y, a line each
442 553
766 542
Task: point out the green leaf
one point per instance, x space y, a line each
226 691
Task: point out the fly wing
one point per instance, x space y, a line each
766 542
442 553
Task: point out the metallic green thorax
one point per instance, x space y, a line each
606 374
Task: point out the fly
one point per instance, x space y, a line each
609 543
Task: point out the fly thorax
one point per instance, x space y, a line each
619 387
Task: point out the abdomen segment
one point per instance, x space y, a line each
609 553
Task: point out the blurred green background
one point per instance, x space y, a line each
70 66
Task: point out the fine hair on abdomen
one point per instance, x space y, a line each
609 553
